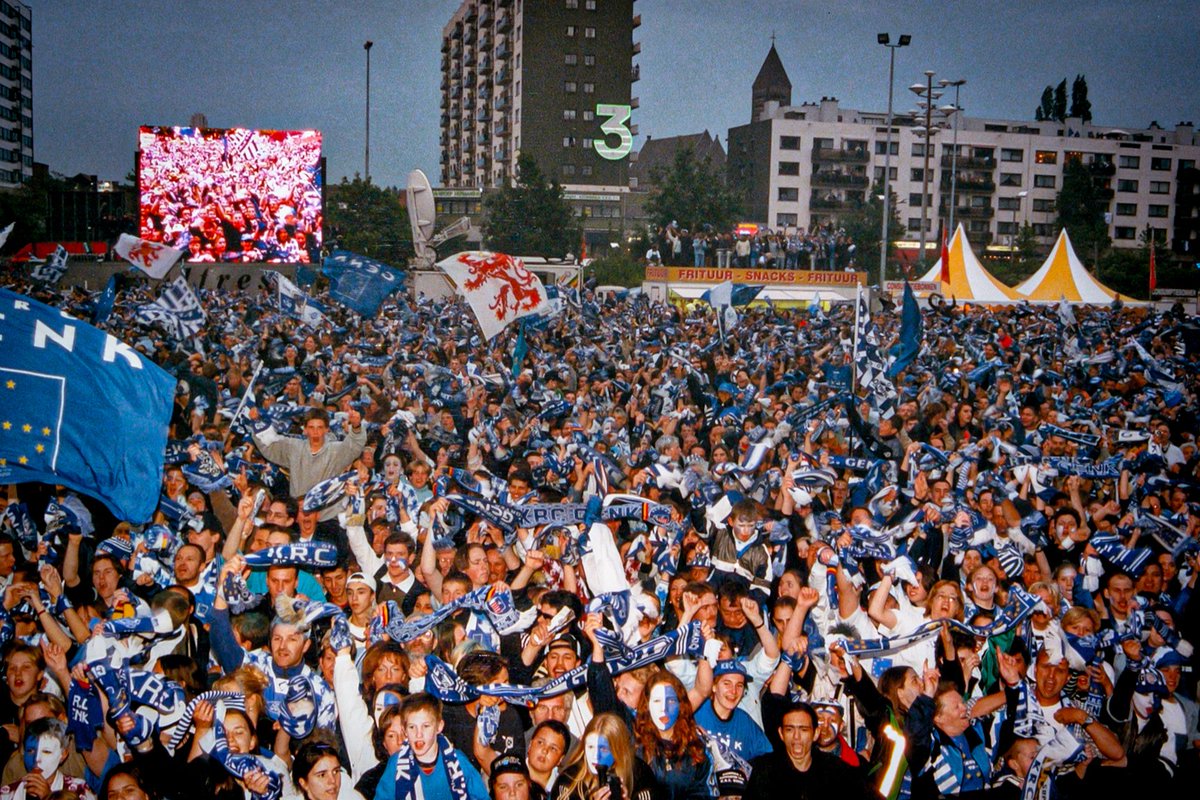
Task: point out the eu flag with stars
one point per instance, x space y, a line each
80 408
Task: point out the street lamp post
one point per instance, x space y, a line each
954 153
367 152
1012 237
885 40
929 96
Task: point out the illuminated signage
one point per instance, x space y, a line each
616 123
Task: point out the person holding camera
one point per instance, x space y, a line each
606 767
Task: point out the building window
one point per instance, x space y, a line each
571 33
569 87
978 226
1041 182
590 33
1006 228
1125 210
1044 157
1187 163
1007 154
569 141
792 143
586 169
589 115
569 113
881 149
575 4
1043 205
791 168
785 220
1156 164
914 200
917 150
1159 187
590 5
589 60
569 169
1124 162
790 195
1009 179
589 88
892 173
1120 232
1123 185
570 59
1155 211
918 174
914 224
1006 204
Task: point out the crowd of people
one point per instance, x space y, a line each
824 247
232 195
651 558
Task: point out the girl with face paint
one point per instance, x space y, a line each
670 741
607 755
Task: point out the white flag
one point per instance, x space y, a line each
153 258
498 287
4 233
295 303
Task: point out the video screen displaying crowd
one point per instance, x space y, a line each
823 248
232 195
659 562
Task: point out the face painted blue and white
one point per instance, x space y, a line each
664 706
596 752
383 700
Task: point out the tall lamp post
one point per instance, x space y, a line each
957 111
928 96
885 40
367 153
1012 238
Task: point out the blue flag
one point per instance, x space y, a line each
912 330
80 408
520 350
360 283
743 294
104 302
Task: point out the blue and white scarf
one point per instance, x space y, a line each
408 772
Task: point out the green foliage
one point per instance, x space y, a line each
530 218
692 193
1081 211
616 269
1045 111
1081 107
863 226
1027 261
1060 101
369 220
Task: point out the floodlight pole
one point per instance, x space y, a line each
885 40
367 153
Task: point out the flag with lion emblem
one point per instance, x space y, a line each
498 287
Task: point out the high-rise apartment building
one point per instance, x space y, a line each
16 93
550 78
802 165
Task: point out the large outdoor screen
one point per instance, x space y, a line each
232 195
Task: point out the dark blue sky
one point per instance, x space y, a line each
104 67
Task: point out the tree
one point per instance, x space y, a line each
530 217
1045 111
369 220
1027 262
1081 210
1081 107
617 268
862 226
1060 101
691 193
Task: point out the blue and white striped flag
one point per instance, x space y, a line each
177 310
295 303
868 364
52 269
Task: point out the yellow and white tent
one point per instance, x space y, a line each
1063 275
969 280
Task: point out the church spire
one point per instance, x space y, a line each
771 84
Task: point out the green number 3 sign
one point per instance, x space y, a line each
616 123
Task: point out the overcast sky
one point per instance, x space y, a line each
104 67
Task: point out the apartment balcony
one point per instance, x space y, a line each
504 75
485 16
633 128
445 102
503 50
968 212
637 48
637 23
469 59
839 179
482 139
1104 193
838 155
635 75
968 162
485 63
445 49
501 153
833 203
483 115
502 103
634 103
501 126
468 35
1102 168
446 121
504 22
968 185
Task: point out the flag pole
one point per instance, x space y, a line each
246 395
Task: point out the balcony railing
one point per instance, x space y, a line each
969 212
838 179
968 162
969 185
635 74
858 155
827 203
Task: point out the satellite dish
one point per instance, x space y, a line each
421 212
